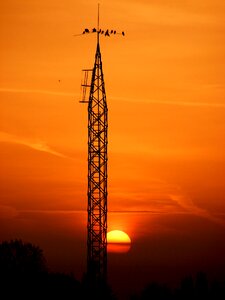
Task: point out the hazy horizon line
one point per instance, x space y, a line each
147 101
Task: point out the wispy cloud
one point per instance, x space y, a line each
36 145
185 202
30 91
174 103
159 197
7 212
149 101
185 103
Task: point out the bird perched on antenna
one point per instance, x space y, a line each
100 31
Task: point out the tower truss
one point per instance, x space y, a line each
97 167
97 174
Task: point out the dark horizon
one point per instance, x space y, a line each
24 271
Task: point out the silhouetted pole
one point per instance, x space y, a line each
97 176
97 169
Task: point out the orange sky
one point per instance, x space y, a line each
165 91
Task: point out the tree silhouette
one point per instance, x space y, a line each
21 259
24 275
157 292
189 289
201 286
103 293
186 290
22 269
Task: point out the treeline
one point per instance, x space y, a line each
189 289
24 275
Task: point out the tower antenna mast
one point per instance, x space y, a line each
98 32
98 16
97 166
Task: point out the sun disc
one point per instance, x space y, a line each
118 237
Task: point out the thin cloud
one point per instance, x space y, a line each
174 103
149 101
188 205
46 92
53 211
7 212
36 145
151 196
159 197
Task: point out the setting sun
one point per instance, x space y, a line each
118 237
118 241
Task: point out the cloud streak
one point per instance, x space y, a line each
36 145
172 103
159 197
7 212
189 206
46 92
149 101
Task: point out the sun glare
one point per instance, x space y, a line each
118 237
118 242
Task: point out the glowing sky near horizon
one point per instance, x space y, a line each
165 91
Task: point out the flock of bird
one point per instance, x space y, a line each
106 33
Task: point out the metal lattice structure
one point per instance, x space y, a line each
97 167
97 174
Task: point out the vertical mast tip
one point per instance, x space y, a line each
98 15
98 25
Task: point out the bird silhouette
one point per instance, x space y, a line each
106 32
